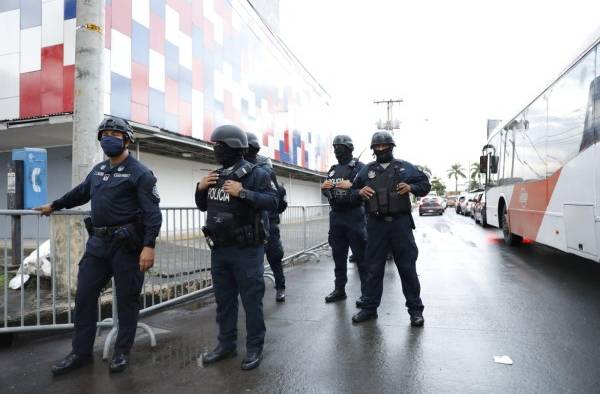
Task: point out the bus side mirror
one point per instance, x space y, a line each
483 164
494 165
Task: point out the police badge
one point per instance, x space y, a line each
105 178
371 174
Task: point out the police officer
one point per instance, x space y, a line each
385 184
273 248
125 221
346 219
236 198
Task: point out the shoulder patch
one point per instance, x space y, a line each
371 174
155 192
273 186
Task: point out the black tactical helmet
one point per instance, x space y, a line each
116 124
343 140
232 136
252 140
382 137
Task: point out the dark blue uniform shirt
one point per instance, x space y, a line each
356 199
118 195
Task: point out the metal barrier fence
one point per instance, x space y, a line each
46 280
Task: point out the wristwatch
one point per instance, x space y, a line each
242 194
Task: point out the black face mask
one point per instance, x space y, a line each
384 156
343 154
251 154
227 156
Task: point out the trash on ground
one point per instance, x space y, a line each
503 360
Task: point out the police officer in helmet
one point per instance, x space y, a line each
125 221
346 219
273 248
385 185
236 199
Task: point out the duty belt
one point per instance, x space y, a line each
107 231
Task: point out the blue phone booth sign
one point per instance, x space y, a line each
35 172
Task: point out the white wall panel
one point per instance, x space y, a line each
9 108
9 75
172 25
10 27
185 50
69 39
140 12
31 49
197 114
52 22
120 59
156 71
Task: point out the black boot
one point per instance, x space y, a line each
280 295
360 303
337 295
69 363
252 360
119 362
416 319
365 315
217 355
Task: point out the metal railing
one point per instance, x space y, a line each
181 270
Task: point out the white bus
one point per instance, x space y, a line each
543 166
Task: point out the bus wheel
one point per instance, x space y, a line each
509 237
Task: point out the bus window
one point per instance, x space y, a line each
567 108
530 142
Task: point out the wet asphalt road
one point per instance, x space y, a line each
536 305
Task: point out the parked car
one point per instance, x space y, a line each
468 208
432 205
451 201
479 212
461 204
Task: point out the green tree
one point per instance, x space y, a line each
475 176
456 170
438 186
424 169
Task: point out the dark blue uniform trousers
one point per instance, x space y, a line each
347 230
239 271
274 251
395 236
104 258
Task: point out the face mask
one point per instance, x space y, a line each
383 156
343 154
227 156
251 154
112 146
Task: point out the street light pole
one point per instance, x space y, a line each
389 124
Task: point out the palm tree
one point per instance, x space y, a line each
475 174
424 169
456 170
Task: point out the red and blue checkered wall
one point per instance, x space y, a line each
183 65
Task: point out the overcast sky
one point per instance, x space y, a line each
454 63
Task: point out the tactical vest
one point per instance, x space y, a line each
386 201
229 220
340 199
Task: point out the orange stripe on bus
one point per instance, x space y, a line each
528 205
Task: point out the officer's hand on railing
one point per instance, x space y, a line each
366 192
45 210
327 185
146 258
233 188
345 184
208 181
403 188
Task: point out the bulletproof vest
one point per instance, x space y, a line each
227 216
386 200
340 198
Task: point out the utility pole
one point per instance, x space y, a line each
67 232
88 95
390 124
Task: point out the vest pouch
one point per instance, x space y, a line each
399 203
383 201
341 196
